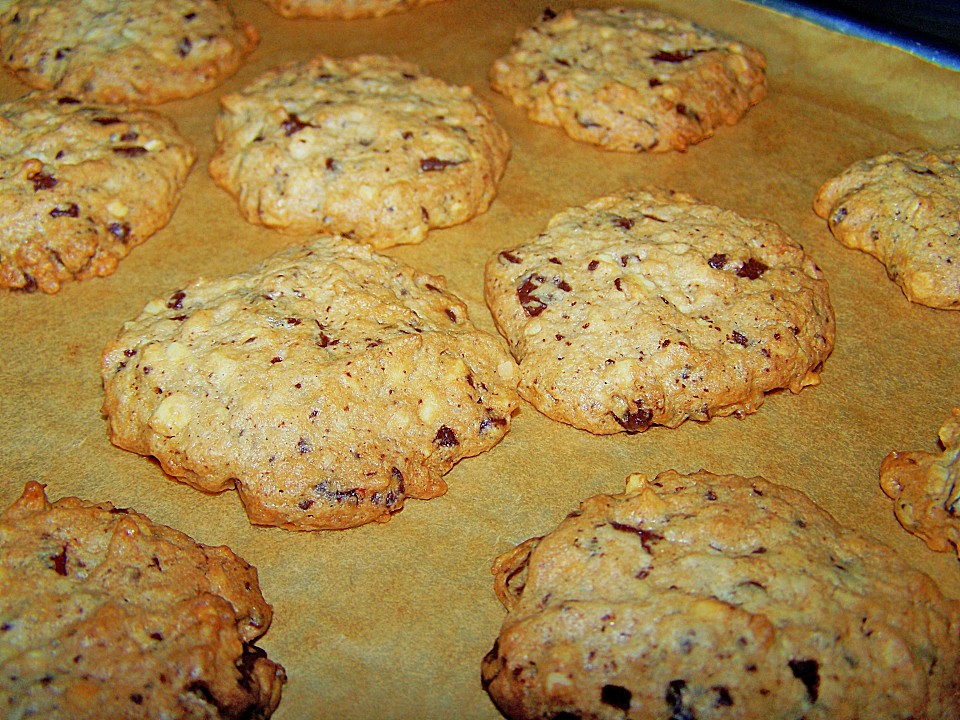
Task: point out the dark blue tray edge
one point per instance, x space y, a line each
926 49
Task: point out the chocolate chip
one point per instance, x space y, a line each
121 231
647 537
293 125
616 696
433 164
446 437
807 672
675 700
717 261
71 210
60 561
687 112
42 181
491 422
530 304
674 56
724 698
636 420
176 300
352 495
132 151
752 269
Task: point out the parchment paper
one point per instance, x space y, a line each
391 621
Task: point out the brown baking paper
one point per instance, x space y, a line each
392 620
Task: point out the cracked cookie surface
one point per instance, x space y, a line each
80 185
650 307
327 385
629 79
104 613
708 596
123 51
903 209
368 147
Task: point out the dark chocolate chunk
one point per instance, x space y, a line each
808 672
71 210
752 269
446 437
616 696
42 181
635 420
433 164
60 561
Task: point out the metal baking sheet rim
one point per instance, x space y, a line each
838 22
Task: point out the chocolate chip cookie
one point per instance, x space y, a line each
706 596
926 489
629 79
104 613
327 385
904 209
80 185
650 307
123 51
369 147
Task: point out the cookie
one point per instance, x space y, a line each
926 489
105 613
342 9
327 385
80 185
123 51
629 79
904 209
367 147
649 307
707 596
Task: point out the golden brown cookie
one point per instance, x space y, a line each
926 489
650 307
904 209
342 9
327 385
368 147
80 185
106 614
629 79
123 51
706 596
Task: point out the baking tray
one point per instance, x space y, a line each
929 29
392 620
